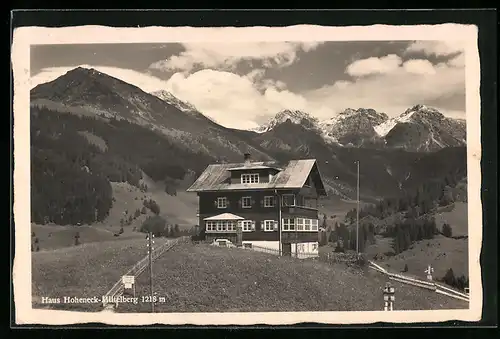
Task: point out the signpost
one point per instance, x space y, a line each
389 297
129 283
429 272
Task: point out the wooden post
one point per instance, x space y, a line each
278 198
296 238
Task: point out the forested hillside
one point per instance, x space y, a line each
71 176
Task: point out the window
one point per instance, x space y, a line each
211 226
247 225
314 225
288 224
269 225
288 200
220 226
307 224
221 202
300 224
252 178
269 201
246 202
231 226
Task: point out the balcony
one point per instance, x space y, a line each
300 211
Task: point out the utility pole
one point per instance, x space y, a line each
150 252
357 215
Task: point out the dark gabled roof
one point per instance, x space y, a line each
292 176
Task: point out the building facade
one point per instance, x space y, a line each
275 207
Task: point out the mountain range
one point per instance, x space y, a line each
420 128
389 149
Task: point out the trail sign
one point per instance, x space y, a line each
429 272
128 281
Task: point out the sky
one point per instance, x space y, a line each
243 85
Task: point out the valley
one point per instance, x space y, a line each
107 156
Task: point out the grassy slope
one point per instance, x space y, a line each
441 252
456 217
83 271
52 237
201 278
179 209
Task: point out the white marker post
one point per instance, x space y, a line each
150 252
429 272
389 297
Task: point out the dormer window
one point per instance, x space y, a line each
250 178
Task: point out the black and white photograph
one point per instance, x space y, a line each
231 175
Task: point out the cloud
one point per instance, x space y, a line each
233 100
227 55
436 48
458 61
240 101
419 67
394 89
374 65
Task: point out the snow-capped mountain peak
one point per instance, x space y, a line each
352 126
294 116
173 100
413 114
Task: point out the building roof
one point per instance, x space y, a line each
253 167
225 216
292 176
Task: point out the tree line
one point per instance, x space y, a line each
70 177
158 226
346 238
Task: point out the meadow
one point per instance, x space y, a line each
86 270
203 278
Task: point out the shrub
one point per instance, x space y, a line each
77 238
361 261
340 247
155 224
447 231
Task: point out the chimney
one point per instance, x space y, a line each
247 158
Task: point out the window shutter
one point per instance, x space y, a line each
252 201
215 202
228 203
262 202
275 225
253 225
239 202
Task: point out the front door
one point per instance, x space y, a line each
287 249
